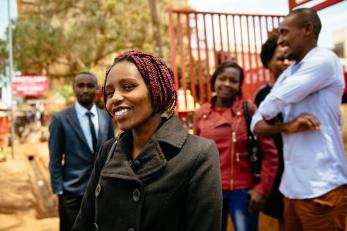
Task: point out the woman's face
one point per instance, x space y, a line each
128 98
278 62
227 83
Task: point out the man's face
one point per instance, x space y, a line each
85 87
292 38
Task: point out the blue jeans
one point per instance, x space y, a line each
236 203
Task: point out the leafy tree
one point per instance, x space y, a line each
37 45
61 38
3 56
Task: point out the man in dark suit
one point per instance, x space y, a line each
76 134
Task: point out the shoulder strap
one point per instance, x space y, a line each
110 153
113 147
248 117
255 154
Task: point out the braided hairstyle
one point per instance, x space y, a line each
157 75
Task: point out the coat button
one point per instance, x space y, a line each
136 195
131 229
97 190
136 163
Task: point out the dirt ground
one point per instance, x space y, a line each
22 206
20 186
27 221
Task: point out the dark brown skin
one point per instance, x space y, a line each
126 89
303 122
297 41
257 201
84 87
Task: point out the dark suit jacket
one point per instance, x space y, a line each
71 159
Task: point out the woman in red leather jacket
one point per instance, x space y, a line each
223 120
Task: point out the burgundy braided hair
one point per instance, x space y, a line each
157 76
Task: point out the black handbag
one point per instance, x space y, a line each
252 144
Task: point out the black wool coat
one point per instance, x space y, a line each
172 185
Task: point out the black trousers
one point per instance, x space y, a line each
69 205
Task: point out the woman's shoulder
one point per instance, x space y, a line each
201 148
199 142
203 109
204 106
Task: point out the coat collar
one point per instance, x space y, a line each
236 106
152 157
171 132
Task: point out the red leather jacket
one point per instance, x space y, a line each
228 129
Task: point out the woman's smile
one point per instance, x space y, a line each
128 98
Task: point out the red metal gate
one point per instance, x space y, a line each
201 40
316 5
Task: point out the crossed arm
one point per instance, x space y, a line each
302 122
311 77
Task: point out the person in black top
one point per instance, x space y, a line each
155 176
272 57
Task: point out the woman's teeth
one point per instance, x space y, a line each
121 112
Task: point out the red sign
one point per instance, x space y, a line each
34 86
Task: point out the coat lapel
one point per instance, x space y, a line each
119 166
103 128
152 157
218 119
73 120
151 160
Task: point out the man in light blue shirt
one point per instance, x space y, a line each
308 94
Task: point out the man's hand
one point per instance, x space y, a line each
303 122
256 201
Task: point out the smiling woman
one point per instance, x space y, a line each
127 97
223 120
154 176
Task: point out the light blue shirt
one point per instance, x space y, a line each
315 161
84 122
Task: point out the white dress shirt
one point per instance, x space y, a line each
83 119
315 161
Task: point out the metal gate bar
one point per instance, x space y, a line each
200 41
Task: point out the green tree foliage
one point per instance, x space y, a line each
3 56
37 45
81 35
